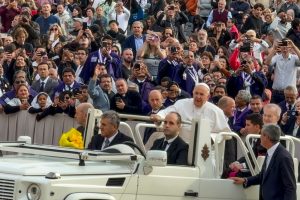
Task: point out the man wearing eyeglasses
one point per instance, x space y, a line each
104 55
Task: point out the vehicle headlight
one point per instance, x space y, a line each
33 192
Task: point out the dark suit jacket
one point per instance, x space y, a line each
240 119
288 128
130 43
177 151
132 100
283 107
48 88
61 87
278 181
97 141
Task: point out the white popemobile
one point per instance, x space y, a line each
38 172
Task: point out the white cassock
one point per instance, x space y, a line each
209 111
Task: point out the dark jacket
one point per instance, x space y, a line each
97 141
132 100
294 36
130 43
254 24
179 19
277 182
177 151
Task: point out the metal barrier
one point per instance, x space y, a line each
45 131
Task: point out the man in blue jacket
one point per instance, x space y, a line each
104 55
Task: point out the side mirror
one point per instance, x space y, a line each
25 139
156 158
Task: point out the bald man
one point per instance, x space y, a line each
155 100
227 104
197 107
81 115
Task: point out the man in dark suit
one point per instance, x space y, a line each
126 101
156 103
290 96
276 179
227 104
45 83
110 135
135 41
242 100
68 83
177 149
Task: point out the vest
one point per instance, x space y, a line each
220 17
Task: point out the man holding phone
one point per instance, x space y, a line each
104 55
284 64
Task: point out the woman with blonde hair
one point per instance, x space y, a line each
55 36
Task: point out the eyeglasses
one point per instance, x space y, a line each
20 82
115 51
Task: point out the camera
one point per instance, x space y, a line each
118 99
76 91
84 25
291 113
137 66
246 47
171 7
284 43
173 50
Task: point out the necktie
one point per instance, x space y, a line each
265 163
106 143
42 87
290 107
164 145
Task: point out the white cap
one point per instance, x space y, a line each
203 84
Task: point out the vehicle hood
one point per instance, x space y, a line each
41 165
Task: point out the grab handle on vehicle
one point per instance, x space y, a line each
191 193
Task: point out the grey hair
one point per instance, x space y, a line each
273 131
245 95
275 107
112 116
138 22
291 88
223 102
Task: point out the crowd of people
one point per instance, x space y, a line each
223 60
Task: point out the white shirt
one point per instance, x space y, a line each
209 111
285 71
169 142
270 154
77 73
122 18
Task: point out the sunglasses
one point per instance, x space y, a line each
53 29
20 82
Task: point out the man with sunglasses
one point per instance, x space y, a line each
104 55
